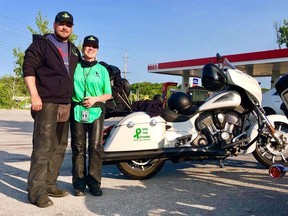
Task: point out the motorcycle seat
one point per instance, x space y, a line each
171 116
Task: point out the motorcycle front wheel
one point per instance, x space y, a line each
267 152
141 169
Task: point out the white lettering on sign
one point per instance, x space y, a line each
153 67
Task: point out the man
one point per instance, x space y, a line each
48 71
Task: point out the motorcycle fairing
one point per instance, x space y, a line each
248 83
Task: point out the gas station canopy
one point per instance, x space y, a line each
269 63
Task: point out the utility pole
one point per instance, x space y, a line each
125 63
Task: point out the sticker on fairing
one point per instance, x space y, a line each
141 134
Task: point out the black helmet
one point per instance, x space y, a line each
158 97
180 102
281 84
213 79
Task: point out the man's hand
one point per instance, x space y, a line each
36 103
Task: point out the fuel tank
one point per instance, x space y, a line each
222 100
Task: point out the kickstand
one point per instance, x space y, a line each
221 164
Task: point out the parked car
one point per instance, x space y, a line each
271 102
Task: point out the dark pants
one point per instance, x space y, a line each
80 176
50 140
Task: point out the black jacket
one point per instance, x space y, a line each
43 60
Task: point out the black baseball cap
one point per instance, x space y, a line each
64 16
91 40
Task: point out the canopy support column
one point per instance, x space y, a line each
185 81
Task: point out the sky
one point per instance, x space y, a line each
149 31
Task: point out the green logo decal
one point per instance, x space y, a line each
138 132
141 134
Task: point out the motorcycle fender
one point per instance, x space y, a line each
253 132
135 132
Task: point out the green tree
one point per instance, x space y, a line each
276 26
146 90
19 56
12 92
6 92
283 30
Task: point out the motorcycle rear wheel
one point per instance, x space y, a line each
267 153
141 169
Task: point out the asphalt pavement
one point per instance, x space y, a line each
242 187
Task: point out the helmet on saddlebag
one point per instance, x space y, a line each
180 102
213 79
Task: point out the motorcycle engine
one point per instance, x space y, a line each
217 127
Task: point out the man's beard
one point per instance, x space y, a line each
61 38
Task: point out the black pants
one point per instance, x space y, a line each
50 140
81 176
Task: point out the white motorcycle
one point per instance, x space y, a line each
228 123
